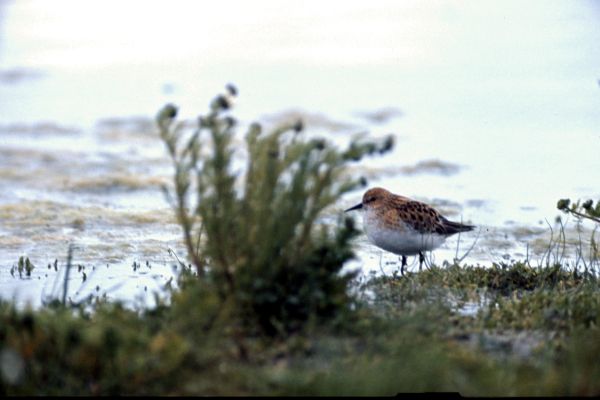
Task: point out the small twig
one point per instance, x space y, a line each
458 242
198 241
387 279
66 281
459 260
564 243
172 253
582 215
579 252
428 261
550 245
593 251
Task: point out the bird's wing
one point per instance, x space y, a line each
425 219
419 216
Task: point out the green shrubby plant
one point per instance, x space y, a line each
582 210
587 256
257 236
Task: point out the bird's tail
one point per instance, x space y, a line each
451 227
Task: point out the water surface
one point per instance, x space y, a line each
494 107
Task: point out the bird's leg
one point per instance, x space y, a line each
403 265
421 259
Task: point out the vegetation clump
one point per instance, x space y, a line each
582 210
404 337
258 238
24 265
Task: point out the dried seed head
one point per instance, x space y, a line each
563 204
231 89
319 144
298 126
229 121
169 111
388 144
222 102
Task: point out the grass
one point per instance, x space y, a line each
404 336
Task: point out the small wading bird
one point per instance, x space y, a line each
403 226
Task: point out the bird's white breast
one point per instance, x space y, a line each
401 240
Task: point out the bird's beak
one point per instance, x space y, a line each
356 207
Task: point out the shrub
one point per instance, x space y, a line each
259 237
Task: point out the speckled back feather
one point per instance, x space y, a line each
420 216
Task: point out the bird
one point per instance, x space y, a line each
404 226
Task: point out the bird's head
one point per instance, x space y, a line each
372 198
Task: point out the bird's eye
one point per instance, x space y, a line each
370 199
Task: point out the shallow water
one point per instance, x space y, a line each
494 107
